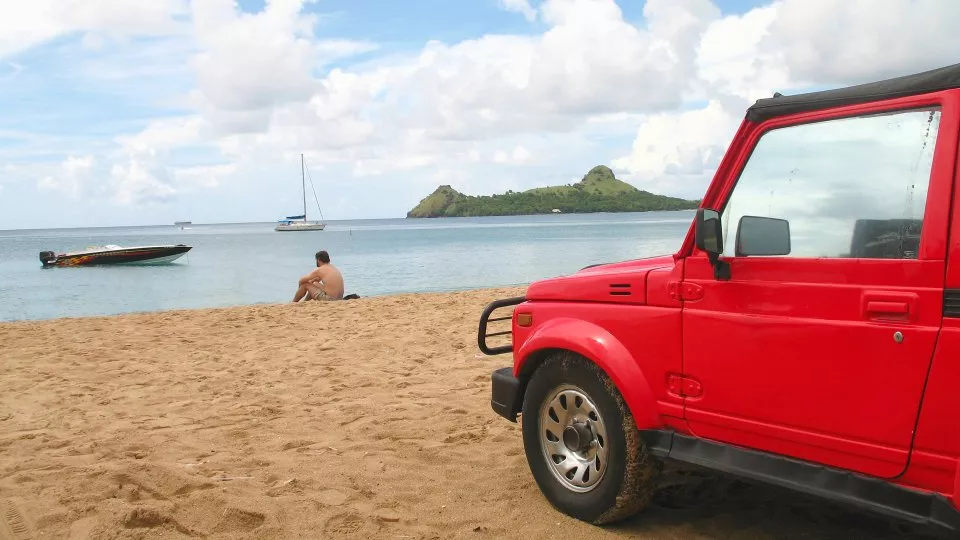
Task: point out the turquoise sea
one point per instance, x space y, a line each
250 263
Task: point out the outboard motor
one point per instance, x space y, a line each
47 257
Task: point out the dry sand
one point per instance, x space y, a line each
360 419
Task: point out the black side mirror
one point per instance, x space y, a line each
708 233
762 236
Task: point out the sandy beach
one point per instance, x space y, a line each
359 419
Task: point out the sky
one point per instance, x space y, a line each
126 112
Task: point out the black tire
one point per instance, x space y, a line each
628 483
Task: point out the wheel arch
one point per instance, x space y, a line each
596 345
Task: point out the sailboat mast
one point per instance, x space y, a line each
303 185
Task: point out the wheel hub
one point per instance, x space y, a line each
573 438
577 437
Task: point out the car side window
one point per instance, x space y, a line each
849 188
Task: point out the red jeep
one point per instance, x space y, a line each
806 333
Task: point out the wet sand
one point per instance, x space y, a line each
359 419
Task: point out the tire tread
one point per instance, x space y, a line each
638 484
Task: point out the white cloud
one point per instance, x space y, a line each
257 96
492 113
798 43
118 17
251 63
421 110
672 147
785 45
27 24
72 176
206 176
139 181
522 7
828 42
164 134
140 172
732 58
518 156
145 174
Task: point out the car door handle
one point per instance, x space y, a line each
888 308
889 305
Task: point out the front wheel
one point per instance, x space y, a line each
582 444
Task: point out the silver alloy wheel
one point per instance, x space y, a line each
573 438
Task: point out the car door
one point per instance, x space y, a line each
818 344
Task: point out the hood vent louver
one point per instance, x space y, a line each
619 289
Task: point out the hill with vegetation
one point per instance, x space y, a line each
598 191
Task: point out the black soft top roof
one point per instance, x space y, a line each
934 80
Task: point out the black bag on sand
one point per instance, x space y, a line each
351 297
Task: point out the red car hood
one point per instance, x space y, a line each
623 282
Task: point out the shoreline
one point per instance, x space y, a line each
522 287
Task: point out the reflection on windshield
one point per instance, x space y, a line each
853 187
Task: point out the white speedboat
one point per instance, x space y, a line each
113 254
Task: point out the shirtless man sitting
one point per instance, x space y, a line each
324 283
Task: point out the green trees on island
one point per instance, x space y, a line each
598 191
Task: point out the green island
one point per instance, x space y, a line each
598 191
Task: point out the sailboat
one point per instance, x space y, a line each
300 223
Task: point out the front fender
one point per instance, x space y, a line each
602 348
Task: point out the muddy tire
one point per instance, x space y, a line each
582 444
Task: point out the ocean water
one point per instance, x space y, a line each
250 263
